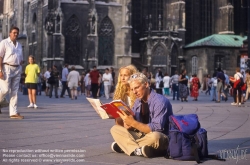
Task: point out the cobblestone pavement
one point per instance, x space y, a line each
61 130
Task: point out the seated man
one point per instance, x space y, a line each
144 134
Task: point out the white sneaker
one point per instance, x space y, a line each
239 104
234 103
35 106
30 106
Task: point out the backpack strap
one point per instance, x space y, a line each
195 152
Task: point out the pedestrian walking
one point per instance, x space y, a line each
247 81
194 87
65 87
175 85
107 81
159 81
46 77
32 72
183 81
11 59
94 75
73 82
166 81
54 81
237 92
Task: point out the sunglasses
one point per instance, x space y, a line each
137 75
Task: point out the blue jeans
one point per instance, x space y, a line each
39 88
213 95
175 91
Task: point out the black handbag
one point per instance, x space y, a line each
161 85
51 80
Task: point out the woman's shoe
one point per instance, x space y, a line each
226 99
217 101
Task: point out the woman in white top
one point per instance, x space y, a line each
158 79
166 81
237 90
107 82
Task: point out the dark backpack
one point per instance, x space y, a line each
187 141
241 82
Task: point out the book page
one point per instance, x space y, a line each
122 106
96 105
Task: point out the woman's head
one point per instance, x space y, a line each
31 59
183 71
237 69
122 89
125 73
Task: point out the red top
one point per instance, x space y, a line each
94 75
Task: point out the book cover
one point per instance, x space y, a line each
117 106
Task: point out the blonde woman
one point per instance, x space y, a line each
32 72
122 90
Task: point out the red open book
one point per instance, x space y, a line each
109 110
116 106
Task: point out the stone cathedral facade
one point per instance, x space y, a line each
150 34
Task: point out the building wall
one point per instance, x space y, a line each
206 60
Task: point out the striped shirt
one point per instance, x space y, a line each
175 79
159 108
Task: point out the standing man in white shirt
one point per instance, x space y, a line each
46 77
11 59
65 73
107 81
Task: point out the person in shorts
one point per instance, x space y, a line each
32 72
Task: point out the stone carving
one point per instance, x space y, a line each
49 23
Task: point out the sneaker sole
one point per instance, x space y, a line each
17 117
112 148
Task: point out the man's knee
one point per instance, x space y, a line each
115 129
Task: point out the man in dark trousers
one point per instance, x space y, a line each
94 75
65 73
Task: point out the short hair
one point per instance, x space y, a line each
94 66
238 69
14 28
107 69
138 76
66 65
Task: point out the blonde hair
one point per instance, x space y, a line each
122 90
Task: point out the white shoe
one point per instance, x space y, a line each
35 106
234 103
239 104
30 106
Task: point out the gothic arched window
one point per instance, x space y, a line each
219 62
194 65
106 42
73 41
159 56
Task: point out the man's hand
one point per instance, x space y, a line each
1 75
128 120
